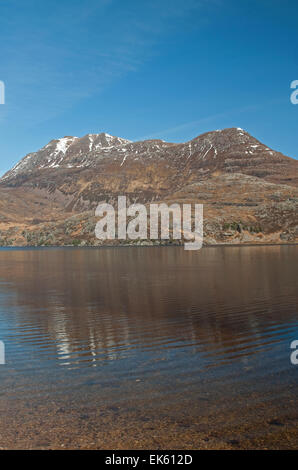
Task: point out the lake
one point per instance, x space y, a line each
149 348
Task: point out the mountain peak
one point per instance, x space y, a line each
228 150
234 175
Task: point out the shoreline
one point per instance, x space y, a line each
114 427
169 245
148 349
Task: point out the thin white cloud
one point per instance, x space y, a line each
47 78
192 124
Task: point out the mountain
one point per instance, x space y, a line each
249 191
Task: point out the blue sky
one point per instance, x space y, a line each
168 69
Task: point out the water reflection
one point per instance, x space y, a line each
80 307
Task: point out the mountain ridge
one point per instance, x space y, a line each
240 181
87 152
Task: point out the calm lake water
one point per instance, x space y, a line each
149 347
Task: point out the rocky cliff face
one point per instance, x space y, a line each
249 191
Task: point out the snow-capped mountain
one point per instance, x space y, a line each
230 150
67 152
234 175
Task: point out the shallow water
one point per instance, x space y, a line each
148 347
